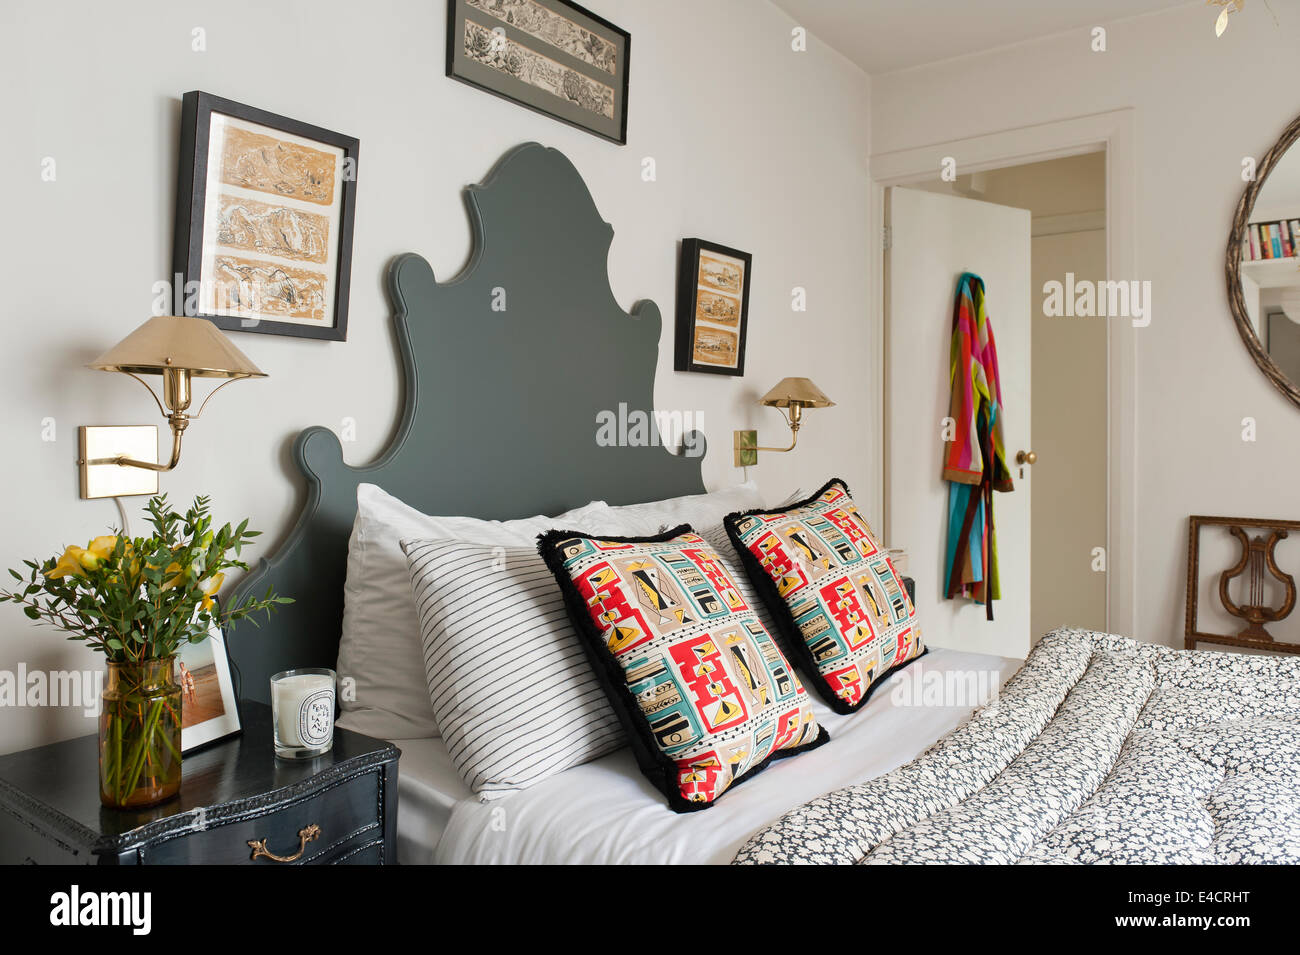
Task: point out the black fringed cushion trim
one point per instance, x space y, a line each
657 767
788 633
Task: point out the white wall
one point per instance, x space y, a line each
756 146
1201 105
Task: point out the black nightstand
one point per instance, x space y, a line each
233 793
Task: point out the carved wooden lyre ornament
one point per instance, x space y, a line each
1257 564
1256 556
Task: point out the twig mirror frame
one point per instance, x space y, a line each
1236 300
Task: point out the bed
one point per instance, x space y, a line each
605 812
498 422
1101 749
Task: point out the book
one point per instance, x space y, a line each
1284 239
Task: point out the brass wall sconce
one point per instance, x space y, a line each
118 461
791 394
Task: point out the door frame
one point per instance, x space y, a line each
1111 131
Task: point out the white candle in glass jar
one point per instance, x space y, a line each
302 705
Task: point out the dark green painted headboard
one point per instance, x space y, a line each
500 412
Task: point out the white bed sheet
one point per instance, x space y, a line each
605 812
428 789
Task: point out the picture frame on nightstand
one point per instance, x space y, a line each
209 707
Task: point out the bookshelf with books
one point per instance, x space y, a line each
1270 264
1266 241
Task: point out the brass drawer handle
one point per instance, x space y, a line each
304 835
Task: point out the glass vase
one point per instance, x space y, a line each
140 734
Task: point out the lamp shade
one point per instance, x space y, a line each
796 391
178 342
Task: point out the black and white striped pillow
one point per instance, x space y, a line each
512 691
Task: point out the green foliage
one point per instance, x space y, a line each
137 599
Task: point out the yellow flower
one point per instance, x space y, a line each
97 551
210 588
178 578
69 563
103 546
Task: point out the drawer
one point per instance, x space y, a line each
368 853
348 814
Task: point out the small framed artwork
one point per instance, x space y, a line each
209 709
264 215
712 308
552 56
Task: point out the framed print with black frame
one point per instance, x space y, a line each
265 207
712 308
551 56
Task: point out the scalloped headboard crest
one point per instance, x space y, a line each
506 368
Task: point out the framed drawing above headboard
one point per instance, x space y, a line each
506 369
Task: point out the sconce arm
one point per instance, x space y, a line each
793 418
794 438
178 420
178 423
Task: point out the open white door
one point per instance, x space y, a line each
934 239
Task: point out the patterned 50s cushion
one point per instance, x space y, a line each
704 692
842 609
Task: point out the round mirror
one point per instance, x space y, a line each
1263 264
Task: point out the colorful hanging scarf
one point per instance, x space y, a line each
975 463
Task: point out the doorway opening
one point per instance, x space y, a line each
1038 229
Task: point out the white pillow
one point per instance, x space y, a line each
698 510
380 652
513 693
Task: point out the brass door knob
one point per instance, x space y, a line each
1026 457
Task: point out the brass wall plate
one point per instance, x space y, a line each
744 445
113 480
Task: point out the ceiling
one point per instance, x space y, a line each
885 35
